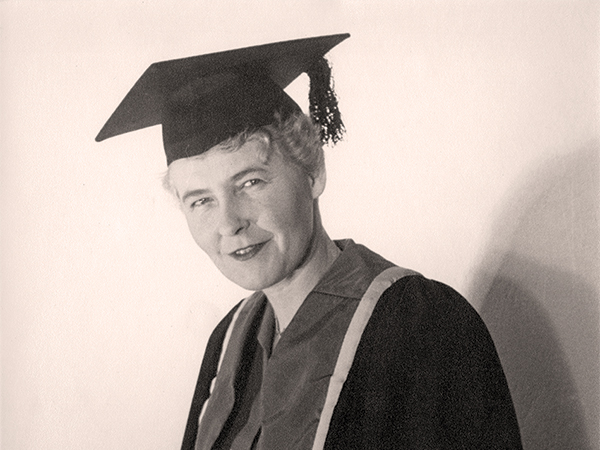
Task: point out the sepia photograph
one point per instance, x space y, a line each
262 225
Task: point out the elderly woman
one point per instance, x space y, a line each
337 348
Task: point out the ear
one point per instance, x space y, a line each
318 182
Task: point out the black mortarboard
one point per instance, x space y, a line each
202 100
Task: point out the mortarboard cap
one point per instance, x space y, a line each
203 100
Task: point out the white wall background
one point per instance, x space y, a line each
472 155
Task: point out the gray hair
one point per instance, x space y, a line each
297 139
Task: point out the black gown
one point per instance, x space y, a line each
425 374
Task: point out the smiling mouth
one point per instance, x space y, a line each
246 253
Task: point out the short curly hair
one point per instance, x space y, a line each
297 139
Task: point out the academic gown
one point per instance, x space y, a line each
424 372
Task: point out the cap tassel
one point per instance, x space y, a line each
323 102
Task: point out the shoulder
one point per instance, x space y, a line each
425 329
427 362
427 314
426 299
216 338
250 305
208 370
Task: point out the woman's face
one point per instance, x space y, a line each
250 211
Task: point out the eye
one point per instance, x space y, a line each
252 182
199 202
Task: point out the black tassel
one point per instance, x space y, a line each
323 102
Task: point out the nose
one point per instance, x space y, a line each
232 218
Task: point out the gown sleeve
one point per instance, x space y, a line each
426 376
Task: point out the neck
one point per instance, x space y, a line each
287 296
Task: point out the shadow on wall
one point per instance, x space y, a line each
537 290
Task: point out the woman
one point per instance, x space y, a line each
337 348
